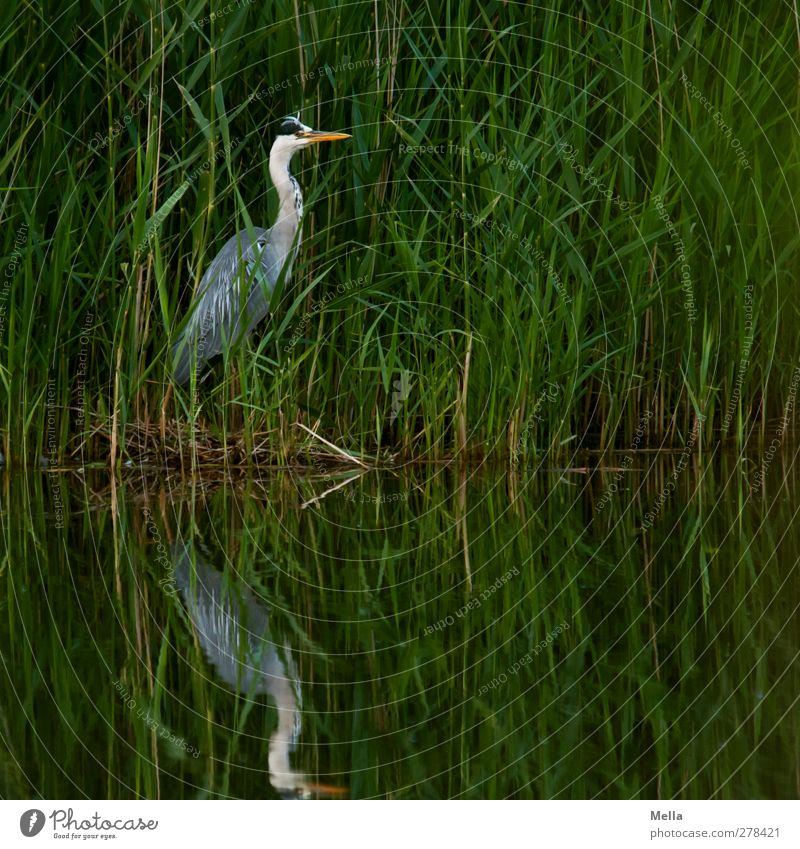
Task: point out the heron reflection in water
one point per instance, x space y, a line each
232 626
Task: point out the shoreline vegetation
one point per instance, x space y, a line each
534 244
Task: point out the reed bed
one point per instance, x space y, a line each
552 224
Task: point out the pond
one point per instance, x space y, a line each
629 631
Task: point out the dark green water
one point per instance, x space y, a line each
431 633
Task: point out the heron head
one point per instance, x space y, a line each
293 135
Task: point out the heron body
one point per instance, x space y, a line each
235 291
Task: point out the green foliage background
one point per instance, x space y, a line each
134 141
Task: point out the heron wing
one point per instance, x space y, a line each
233 297
232 624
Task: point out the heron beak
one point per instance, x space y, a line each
330 791
314 136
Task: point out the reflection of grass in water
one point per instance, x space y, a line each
524 82
676 637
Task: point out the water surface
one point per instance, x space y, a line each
424 633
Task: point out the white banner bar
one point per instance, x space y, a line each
399 824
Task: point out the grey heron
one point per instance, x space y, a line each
233 628
235 291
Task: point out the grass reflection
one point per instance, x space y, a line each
457 633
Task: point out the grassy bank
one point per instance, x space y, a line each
554 227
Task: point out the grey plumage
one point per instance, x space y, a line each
233 628
236 289
234 297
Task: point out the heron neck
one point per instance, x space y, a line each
290 212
